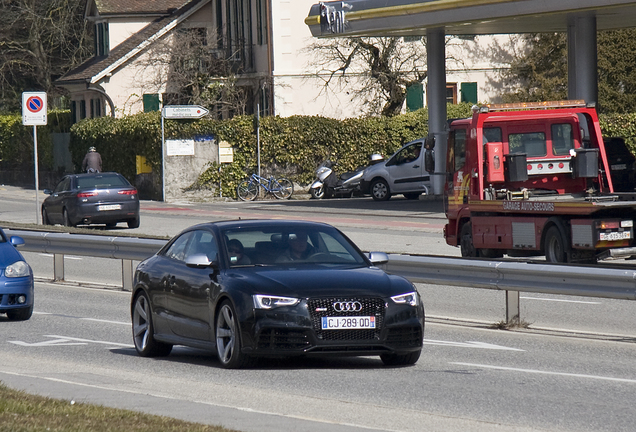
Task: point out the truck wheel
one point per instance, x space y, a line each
380 190
554 246
466 241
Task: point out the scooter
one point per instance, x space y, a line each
328 184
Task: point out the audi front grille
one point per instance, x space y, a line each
324 307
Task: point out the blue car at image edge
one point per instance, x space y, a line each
16 280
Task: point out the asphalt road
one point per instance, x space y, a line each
572 370
78 347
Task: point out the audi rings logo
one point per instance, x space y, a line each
347 306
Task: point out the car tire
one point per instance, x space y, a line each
380 190
20 314
45 217
412 196
133 223
400 359
111 224
66 218
228 338
143 330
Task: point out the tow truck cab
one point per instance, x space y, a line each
533 179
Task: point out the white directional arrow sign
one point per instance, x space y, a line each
67 340
54 342
183 111
469 344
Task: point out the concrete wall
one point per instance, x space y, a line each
183 170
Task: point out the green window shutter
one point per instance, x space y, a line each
469 92
415 97
151 102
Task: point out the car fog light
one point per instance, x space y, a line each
21 299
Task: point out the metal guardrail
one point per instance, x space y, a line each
512 277
126 249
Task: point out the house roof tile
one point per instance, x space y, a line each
95 65
107 7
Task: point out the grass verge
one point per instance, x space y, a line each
22 412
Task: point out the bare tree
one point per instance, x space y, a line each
193 71
39 41
377 71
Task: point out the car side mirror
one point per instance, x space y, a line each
429 161
378 258
429 154
16 241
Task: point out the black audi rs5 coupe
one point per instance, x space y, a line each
270 288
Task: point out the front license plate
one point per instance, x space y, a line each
109 207
612 236
346 323
619 167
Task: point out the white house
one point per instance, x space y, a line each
266 38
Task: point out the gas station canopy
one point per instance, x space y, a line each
462 17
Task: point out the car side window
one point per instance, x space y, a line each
409 154
177 250
203 242
64 185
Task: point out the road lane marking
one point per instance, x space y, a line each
66 340
469 344
86 319
54 342
564 374
559 300
213 404
71 257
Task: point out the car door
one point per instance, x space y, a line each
54 204
190 289
406 170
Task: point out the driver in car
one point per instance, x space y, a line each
299 248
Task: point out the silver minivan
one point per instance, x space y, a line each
403 173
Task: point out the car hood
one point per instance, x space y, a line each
309 282
374 169
8 255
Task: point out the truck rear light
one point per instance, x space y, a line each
561 165
86 194
128 192
608 225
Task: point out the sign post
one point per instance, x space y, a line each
34 114
174 112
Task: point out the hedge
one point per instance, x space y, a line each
289 146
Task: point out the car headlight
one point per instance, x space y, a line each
269 302
17 269
409 298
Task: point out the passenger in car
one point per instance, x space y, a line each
299 248
236 253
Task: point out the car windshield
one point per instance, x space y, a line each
282 247
103 181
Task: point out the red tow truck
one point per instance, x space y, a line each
533 179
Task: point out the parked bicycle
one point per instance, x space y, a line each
249 189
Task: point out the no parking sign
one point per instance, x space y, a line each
34 108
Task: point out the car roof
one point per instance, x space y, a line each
85 175
255 223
